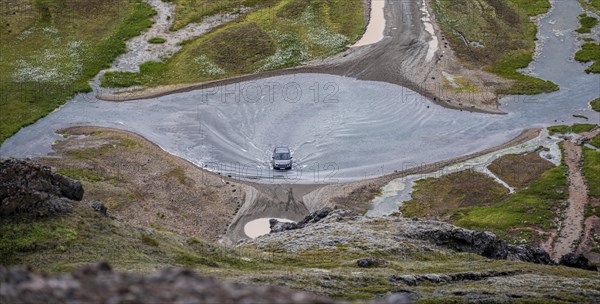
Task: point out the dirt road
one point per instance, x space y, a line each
400 58
572 227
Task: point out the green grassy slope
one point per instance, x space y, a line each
50 50
61 243
504 30
534 206
475 201
279 34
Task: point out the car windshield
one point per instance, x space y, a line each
282 156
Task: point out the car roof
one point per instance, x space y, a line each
282 150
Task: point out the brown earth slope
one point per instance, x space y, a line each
144 185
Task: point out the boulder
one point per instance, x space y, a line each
277 226
576 260
482 243
27 187
99 207
315 217
370 262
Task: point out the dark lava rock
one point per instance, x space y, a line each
576 260
315 217
99 207
370 262
28 187
99 284
277 226
485 244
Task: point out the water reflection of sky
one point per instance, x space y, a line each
338 128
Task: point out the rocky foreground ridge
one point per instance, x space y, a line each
99 284
328 229
329 257
31 188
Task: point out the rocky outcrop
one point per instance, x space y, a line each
371 262
27 187
414 280
315 217
99 284
576 260
482 243
396 234
99 207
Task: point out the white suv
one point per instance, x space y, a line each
282 158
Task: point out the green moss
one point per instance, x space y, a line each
96 31
531 206
278 34
449 300
293 9
437 196
507 66
595 104
506 32
590 5
179 174
239 48
591 170
595 141
519 170
587 23
576 128
89 175
190 259
157 40
590 52
189 11
148 240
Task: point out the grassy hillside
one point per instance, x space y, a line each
519 171
591 168
188 11
590 5
534 207
61 243
475 201
278 34
437 197
52 48
495 35
575 128
143 185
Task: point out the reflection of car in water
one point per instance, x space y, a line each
282 158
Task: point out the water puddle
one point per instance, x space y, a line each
376 26
261 226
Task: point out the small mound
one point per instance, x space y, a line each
27 187
240 47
